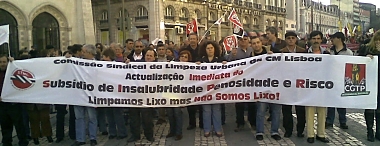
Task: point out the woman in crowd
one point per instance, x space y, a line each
40 119
372 49
170 54
210 53
175 113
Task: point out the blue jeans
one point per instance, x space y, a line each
260 117
175 120
331 115
115 119
212 112
80 127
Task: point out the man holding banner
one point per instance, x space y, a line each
10 114
291 47
193 48
339 48
143 116
275 111
89 53
243 51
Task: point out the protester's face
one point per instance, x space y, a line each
169 52
149 56
118 50
106 58
86 55
210 50
244 41
291 40
171 45
51 53
270 35
161 51
129 44
252 34
316 40
264 40
3 63
256 44
138 47
193 40
184 58
335 40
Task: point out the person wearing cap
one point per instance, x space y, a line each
338 48
243 51
316 40
291 47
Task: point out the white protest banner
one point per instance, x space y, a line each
294 79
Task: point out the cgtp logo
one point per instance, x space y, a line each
355 80
22 79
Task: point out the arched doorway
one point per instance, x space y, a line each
45 31
5 19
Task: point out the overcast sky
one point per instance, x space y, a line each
375 2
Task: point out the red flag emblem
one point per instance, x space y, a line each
235 19
192 27
230 42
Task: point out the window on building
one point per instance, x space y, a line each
184 13
212 16
198 13
169 11
125 13
105 15
142 11
255 21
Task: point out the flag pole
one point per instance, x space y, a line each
9 50
211 27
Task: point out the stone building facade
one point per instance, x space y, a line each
44 22
316 16
167 19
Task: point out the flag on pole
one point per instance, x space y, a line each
328 34
354 30
238 31
4 34
219 21
235 19
230 42
192 27
349 28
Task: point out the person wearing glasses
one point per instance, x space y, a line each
137 53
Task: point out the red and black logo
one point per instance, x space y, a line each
355 80
22 79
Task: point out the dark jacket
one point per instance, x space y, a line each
194 52
298 50
130 56
204 59
278 45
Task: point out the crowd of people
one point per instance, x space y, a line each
32 121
